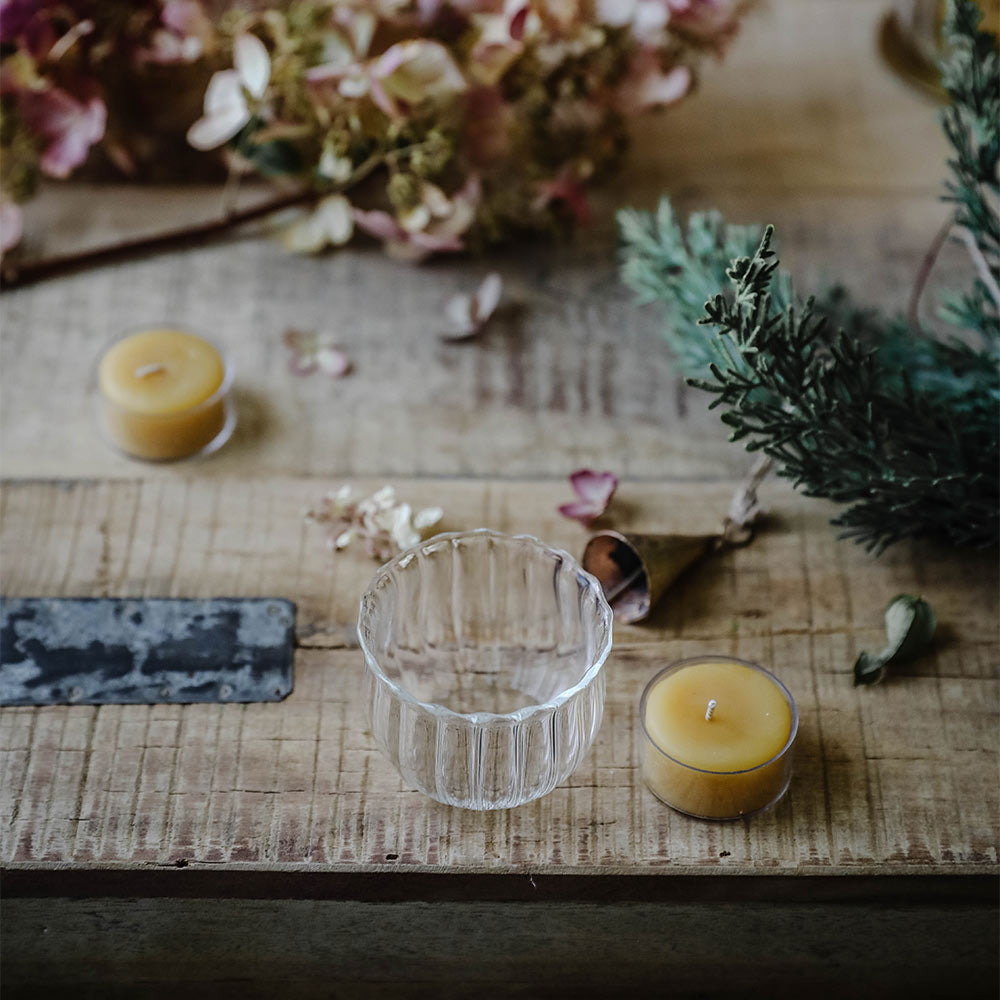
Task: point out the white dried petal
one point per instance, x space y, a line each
385 497
415 219
427 517
252 63
438 203
337 219
333 362
467 314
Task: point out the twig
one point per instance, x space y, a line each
926 266
985 274
745 508
14 274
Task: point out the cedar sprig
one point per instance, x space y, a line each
843 426
900 425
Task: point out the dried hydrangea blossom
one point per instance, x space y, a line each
73 75
381 522
448 123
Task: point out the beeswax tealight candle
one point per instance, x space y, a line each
717 737
164 395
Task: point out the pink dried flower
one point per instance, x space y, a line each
647 19
567 188
500 42
187 19
713 22
468 314
646 85
312 352
186 35
70 126
594 490
441 230
382 523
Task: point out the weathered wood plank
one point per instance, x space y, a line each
896 778
209 537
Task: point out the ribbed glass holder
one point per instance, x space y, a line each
484 666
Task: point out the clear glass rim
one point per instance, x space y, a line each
591 674
709 658
228 371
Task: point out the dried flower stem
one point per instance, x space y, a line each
230 191
14 274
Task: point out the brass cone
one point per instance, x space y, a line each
636 570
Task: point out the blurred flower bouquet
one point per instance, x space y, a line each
432 125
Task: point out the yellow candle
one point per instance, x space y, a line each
164 395
717 737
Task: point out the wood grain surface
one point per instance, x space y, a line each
891 779
801 126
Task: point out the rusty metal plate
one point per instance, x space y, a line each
98 651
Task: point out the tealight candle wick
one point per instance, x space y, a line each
151 369
711 708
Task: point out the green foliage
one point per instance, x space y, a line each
899 425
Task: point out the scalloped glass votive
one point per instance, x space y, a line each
484 666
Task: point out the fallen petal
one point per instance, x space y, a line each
467 314
341 496
302 364
427 517
488 296
460 313
580 511
333 362
595 488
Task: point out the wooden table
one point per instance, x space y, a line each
270 849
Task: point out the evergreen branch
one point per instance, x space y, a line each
847 427
901 427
